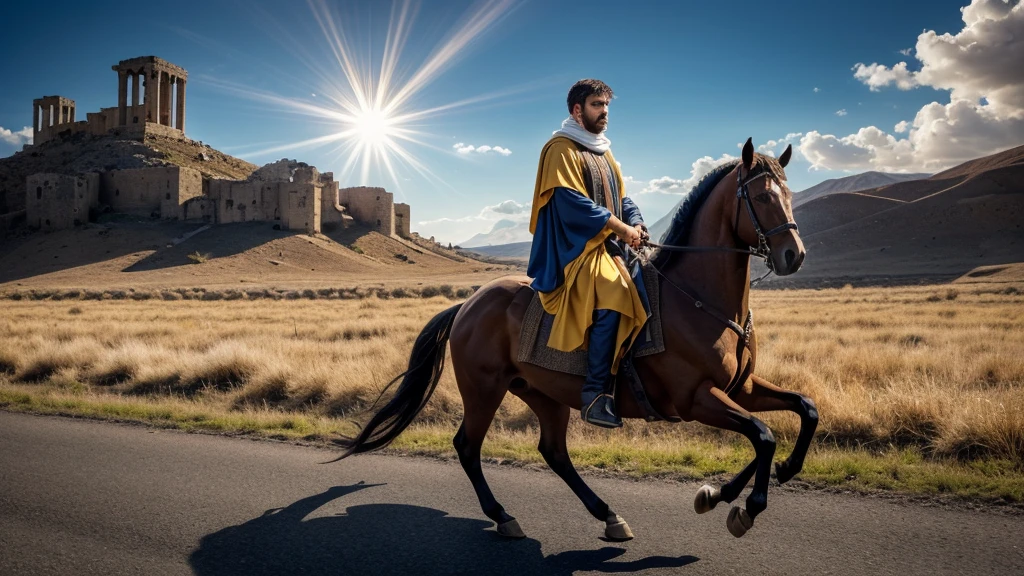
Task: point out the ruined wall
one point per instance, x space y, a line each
370 205
201 208
59 201
332 213
190 185
242 201
300 202
150 191
403 216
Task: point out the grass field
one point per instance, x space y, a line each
920 389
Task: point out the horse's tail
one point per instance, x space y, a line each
418 382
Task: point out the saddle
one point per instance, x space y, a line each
536 329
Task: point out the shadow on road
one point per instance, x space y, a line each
390 539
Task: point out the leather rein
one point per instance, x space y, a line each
763 251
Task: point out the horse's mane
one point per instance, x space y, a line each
678 233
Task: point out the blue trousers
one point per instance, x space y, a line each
600 354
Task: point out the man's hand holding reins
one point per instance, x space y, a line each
628 234
645 236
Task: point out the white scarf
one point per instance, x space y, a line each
572 130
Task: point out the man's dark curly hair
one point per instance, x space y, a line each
588 87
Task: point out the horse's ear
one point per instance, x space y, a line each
784 159
748 154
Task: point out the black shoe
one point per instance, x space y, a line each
601 412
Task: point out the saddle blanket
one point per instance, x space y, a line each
536 328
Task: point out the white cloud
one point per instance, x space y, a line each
669 185
979 66
841 112
775 147
23 136
906 51
465 149
459 229
816 89
509 207
980 61
877 76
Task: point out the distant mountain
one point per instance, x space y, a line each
854 183
515 251
940 227
503 232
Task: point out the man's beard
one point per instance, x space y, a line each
593 127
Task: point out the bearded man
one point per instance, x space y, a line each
579 206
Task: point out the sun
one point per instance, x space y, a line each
373 128
374 111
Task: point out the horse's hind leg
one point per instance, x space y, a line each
713 407
766 397
554 420
479 406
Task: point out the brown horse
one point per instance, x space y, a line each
706 372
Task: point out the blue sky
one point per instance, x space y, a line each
692 80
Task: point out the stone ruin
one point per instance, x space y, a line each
151 101
157 105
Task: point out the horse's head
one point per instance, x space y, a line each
764 211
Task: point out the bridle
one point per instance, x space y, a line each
763 251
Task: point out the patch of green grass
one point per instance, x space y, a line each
198 258
904 470
178 414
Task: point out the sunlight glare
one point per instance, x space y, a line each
372 127
370 108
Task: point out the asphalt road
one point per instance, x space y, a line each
84 497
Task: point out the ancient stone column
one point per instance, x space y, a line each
165 99
152 95
133 95
122 98
72 113
181 105
35 118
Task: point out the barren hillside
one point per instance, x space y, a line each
941 227
132 253
855 183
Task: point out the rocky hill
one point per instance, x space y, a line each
84 152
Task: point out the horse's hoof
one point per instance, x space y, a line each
511 529
783 472
738 522
617 529
705 500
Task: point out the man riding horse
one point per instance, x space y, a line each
707 370
579 203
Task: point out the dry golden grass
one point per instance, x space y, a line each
935 369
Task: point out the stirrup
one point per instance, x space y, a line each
601 413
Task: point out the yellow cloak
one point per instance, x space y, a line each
594 280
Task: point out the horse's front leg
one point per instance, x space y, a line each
763 396
713 407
